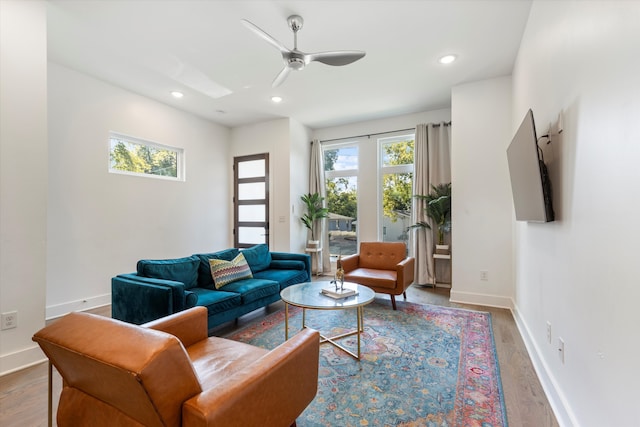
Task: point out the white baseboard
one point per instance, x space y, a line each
21 359
33 355
557 400
481 299
54 311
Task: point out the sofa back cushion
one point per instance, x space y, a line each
204 270
258 257
183 270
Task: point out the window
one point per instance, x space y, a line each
133 156
341 173
396 170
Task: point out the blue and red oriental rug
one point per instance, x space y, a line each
421 365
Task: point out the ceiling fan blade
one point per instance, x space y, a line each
281 77
338 57
273 42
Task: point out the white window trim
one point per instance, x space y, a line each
180 157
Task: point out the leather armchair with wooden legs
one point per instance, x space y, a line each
170 373
382 266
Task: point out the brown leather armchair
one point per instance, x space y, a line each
382 266
169 373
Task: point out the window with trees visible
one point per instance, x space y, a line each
133 156
341 174
396 167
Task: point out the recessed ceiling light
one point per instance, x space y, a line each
177 94
276 99
447 59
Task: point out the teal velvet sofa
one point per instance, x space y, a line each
162 287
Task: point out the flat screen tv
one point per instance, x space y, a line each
530 182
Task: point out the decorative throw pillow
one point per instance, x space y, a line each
225 272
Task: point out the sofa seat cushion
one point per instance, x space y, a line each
184 270
386 279
285 278
217 301
258 257
254 289
216 359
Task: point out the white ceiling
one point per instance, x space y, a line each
153 47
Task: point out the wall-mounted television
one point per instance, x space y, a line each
530 182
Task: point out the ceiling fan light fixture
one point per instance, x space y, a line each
447 59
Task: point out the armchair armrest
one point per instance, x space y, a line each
350 262
189 326
405 271
272 391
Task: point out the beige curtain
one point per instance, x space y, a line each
316 185
432 156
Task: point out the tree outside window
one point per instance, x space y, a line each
130 155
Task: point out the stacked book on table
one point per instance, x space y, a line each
338 293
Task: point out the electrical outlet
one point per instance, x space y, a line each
484 275
9 320
561 349
549 332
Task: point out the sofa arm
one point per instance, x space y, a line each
189 326
405 271
137 299
272 391
349 263
287 256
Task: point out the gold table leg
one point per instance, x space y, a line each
286 321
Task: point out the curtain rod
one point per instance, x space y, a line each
435 125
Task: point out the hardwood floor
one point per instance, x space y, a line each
23 394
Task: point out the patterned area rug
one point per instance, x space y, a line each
421 365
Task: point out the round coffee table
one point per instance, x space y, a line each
309 295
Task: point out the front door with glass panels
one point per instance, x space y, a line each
251 200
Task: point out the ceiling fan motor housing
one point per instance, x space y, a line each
296 63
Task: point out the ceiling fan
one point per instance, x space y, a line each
295 59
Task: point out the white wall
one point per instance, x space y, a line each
100 224
481 193
23 177
581 272
300 162
369 229
284 140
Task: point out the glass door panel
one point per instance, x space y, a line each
396 206
252 235
252 190
251 213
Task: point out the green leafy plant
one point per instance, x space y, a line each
438 208
315 211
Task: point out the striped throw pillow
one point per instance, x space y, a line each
225 272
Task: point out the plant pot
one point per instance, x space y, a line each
442 249
313 244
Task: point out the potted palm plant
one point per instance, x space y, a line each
438 208
315 211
